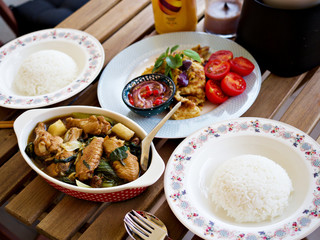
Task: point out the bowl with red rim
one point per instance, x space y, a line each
149 95
26 122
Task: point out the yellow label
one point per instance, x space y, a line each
170 7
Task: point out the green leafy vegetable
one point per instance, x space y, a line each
119 154
86 164
173 61
105 168
65 160
30 150
67 180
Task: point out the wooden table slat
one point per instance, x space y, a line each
129 33
273 93
67 217
176 230
32 201
87 14
115 18
8 143
12 177
301 112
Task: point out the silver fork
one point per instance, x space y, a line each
143 227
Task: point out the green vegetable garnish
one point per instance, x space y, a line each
174 61
119 154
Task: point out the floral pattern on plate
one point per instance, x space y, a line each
298 225
87 44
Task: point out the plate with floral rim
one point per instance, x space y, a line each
83 48
192 164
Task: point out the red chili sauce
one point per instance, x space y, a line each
149 94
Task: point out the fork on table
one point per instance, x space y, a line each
144 228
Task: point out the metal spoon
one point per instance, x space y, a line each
149 217
146 142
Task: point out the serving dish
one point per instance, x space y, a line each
132 61
191 165
82 47
26 122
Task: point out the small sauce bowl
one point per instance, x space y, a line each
149 94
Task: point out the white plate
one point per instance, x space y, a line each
191 165
132 61
85 50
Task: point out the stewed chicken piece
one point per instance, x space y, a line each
89 159
111 143
128 168
59 169
45 144
94 125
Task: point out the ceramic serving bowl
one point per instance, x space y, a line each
27 121
147 112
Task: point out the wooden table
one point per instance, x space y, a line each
117 24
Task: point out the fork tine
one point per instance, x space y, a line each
140 220
135 227
146 221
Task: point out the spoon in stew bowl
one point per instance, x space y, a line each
146 142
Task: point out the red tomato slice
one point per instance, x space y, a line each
233 84
214 92
216 69
241 65
223 55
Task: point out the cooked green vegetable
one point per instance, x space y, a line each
119 154
30 150
173 61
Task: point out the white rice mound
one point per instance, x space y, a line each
251 188
44 72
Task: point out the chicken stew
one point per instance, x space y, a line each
86 150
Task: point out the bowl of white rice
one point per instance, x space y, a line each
44 72
246 178
48 66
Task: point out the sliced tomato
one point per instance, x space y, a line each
233 84
223 55
241 65
216 69
214 92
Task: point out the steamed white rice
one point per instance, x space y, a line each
251 188
44 72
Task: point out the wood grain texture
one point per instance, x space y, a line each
114 19
32 201
87 14
13 177
67 217
8 143
304 113
129 33
273 93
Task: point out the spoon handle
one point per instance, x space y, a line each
145 145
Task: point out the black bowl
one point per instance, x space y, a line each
147 112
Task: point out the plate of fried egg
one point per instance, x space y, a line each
196 111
